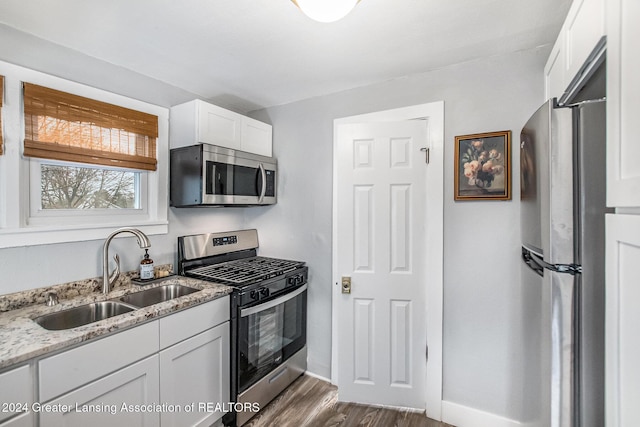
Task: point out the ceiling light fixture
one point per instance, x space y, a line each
326 10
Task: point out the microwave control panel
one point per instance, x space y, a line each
270 191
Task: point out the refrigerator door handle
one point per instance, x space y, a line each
572 269
531 262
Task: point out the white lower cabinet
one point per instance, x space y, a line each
24 420
622 370
128 397
170 372
195 374
66 371
16 397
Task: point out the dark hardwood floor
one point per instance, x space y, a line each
310 402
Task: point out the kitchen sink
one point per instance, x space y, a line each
155 295
89 313
82 315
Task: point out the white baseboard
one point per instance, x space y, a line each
464 416
321 378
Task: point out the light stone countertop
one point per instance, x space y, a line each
22 339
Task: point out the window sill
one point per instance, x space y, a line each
30 236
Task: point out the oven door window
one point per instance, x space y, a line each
269 334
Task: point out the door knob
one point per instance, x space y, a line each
346 284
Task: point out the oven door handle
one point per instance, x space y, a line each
269 304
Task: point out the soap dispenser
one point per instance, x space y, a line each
146 267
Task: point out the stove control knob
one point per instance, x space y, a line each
291 281
299 279
254 295
264 292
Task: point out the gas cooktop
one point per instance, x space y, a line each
244 271
231 258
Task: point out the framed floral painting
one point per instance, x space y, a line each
483 166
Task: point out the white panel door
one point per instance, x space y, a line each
622 344
381 215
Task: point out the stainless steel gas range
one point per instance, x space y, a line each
268 314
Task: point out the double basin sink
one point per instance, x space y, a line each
89 313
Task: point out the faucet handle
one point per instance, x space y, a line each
52 299
116 273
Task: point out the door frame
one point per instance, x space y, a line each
433 114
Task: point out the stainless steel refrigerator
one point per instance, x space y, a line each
562 177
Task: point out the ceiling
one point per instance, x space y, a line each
250 54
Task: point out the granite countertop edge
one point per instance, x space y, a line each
22 339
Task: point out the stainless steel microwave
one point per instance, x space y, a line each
208 175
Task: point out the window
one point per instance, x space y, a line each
83 161
80 140
79 187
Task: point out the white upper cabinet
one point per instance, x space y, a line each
256 136
217 126
584 27
200 122
554 77
623 103
577 45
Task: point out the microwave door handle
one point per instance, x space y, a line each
263 190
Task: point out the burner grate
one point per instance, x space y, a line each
243 271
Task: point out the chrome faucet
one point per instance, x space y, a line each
109 279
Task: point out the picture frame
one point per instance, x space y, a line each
482 166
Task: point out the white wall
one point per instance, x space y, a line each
31 267
484 324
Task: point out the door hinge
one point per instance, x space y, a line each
426 154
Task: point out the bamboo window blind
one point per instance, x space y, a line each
1 98
63 126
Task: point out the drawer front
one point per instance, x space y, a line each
125 398
15 389
73 368
24 420
188 323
